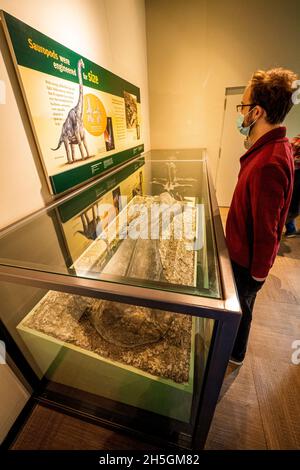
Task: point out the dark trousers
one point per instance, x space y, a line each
247 289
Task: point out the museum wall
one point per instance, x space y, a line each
197 48
110 33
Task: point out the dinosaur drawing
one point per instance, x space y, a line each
73 132
91 227
172 183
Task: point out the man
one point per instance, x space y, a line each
263 192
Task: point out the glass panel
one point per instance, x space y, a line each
148 224
106 356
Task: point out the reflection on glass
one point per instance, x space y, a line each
149 224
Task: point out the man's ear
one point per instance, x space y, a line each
261 112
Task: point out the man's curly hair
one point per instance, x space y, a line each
272 90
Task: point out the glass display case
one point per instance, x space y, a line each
118 301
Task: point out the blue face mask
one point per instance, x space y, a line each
245 130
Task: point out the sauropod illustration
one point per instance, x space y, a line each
72 130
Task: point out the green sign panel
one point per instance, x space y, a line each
85 119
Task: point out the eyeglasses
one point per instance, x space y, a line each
239 107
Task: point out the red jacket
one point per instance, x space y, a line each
260 202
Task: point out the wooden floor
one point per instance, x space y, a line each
259 407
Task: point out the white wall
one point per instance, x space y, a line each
197 48
108 32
